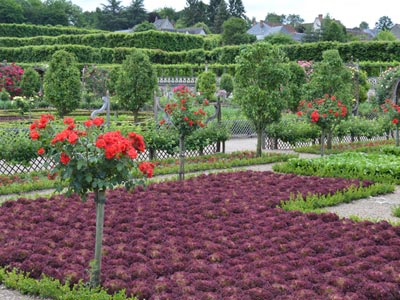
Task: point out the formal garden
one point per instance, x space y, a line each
120 141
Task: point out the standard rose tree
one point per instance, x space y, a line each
84 159
326 113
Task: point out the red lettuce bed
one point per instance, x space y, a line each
211 237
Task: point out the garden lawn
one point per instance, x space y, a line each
215 236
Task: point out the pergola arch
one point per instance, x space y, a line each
396 91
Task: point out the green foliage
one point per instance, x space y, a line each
136 82
385 35
373 51
384 23
16 147
330 77
314 203
234 32
226 83
396 211
260 85
358 127
279 39
297 80
145 26
154 39
62 84
293 130
47 287
333 30
25 30
364 166
206 84
30 83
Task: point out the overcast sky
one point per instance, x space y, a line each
350 12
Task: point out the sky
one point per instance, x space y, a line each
350 12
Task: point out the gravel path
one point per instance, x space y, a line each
376 208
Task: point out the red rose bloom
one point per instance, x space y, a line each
41 151
64 159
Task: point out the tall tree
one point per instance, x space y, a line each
168 12
333 30
136 82
32 10
293 20
135 13
236 9
364 25
212 11
221 16
234 32
384 23
54 13
112 16
11 12
260 80
275 18
194 12
62 83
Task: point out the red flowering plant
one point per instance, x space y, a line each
10 78
326 113
392 110
88 159
185 113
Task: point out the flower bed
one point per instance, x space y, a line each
211 237
370 166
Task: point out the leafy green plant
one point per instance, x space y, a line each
206 84
261 79
226 83
365 166
47 287
62 84
396 211
136 82
316 203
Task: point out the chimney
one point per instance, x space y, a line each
320 16
261 23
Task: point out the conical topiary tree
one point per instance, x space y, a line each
62 84
136 82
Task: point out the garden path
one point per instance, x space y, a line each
377 208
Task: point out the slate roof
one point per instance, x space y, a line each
259 29
262 29
163 24
396 30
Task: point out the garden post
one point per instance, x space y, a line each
322 140
181 157
100 199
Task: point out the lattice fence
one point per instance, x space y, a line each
14 136
239 128
277 144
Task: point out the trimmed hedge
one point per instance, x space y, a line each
363 51
167 41
87 54
25 30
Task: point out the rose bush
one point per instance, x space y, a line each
85 157
88 159
10 78
392 110
326 113
185 114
